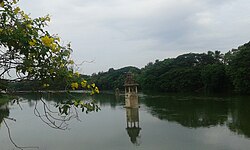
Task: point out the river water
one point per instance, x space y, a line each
165 121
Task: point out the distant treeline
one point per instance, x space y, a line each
212 72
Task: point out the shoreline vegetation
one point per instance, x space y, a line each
207 73
4 98
211 72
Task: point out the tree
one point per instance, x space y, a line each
35 54
238 61
214 78
28 48
113 79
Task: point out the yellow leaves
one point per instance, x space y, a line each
29 26
77 74
91 87
46 18
15 1
32 42
74 85
25 16
45 85
97 90
54 47
94 89
81 103
1 30
71 62
84 83
47 41
76 103
61 65
29 69
2 4
16 10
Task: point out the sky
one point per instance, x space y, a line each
117 33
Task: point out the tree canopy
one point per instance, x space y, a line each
239 68
28 48
211 72
32 52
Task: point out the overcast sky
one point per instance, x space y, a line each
118 33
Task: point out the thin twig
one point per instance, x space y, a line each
12 141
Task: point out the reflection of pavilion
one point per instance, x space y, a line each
132 111
133 126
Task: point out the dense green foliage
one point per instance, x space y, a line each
239 68
186 73
211 72
113 78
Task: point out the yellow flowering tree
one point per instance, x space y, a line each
26 47
34 53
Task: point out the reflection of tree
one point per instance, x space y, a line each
44 108
53 118
12 141
4 112
58 109
203 112
109 99
240 122
189 112
55 110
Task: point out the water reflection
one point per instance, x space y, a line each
4 112
195 112
239 117
56 109
133 125
190 112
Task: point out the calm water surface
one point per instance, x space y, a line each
171 122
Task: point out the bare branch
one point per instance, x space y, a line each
55 119
12 141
